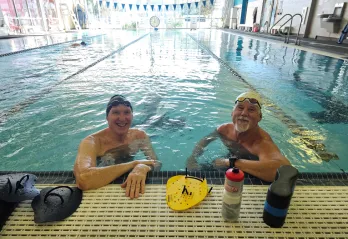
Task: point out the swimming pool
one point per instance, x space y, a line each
182 87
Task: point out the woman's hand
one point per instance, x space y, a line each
135 182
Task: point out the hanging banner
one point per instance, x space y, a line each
145 6
182 6
107 4
130 6
189 5
152 6
159 7
174 6
137 7
100 3
196 3
212 2
123 5
204 2
115 5
167 6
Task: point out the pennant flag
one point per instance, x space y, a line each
123 5
130 6
167 6
204 2
189 5
211 2
107 4
145 6
182 6
137 7
100 3
174 6
152 6
196 3
115 5
159 7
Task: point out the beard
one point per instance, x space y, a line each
242 127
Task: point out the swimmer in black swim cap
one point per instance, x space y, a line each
124 142
79 44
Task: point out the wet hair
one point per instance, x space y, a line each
117 100
83 43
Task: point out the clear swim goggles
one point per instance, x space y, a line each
251 100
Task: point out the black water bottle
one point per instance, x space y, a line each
279 196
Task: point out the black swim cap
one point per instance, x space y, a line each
118 100
83 43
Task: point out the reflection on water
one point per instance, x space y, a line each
179 92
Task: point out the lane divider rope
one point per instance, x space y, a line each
40 47
22 105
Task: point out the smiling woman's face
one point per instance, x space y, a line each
120 119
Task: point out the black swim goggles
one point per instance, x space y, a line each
251 100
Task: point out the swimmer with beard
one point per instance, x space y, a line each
244 137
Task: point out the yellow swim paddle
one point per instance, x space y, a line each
183 191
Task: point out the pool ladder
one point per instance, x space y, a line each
287 37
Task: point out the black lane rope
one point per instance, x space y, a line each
310 138
22 105
39 47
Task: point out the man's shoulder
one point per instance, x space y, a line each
265 136
225 128
265 140
95 136
138 133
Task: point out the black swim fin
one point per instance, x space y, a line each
56 204
18 187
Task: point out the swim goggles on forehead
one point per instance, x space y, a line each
251 100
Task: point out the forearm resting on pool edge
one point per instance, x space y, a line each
96 177
265 170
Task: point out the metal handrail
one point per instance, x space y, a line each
298 32
270 30
288 30
297 41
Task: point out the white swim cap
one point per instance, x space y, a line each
252 96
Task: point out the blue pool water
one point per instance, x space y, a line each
180 93
22 43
